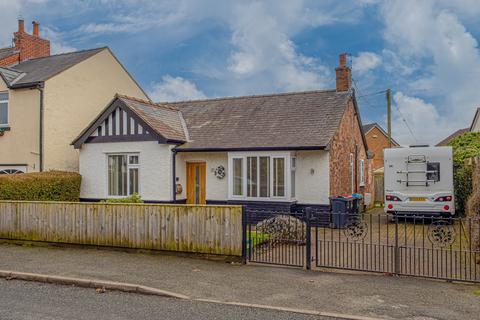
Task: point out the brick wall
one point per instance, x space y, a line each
31 46
377 141
348 140
14 58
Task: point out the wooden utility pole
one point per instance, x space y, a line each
389 119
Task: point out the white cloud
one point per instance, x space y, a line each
415 121
175 89
57 45
365 61
9 11
443 56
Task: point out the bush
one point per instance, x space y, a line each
464 147
283 229
134 198
41 186
462 181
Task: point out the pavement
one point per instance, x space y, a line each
350 294
35 301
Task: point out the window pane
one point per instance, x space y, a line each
117 175
252 176
264 177
3 113
133 160
3 96
278 177
133 188
238 177
433 169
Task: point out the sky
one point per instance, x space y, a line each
425 51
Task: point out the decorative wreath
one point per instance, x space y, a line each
220 172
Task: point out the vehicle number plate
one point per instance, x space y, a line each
418 199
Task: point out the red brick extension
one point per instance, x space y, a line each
348 141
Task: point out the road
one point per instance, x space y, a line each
29 300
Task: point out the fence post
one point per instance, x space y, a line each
244 235
397 249
308 238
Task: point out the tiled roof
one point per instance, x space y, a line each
7 52
165 120
287 120
369 126
41 69
9 74
457 133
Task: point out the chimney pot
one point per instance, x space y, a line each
342 60
35 28
21 25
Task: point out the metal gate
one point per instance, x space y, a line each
431 247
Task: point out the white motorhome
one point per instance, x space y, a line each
419 181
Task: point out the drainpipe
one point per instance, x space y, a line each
40 87
174 175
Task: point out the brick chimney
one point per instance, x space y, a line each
344 74
30 45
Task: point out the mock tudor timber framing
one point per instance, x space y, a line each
95 134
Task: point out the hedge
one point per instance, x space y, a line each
464 147
41 186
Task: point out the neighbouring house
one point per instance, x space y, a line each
283 150
45 100
377 140
474 127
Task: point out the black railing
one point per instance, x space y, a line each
432 247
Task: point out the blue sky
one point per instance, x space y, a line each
425 51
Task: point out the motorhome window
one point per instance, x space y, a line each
433 171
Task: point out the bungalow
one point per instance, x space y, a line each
283 150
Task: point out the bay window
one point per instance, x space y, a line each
3 109
123 174
258 176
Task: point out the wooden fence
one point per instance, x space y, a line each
184 228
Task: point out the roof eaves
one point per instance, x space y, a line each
229 149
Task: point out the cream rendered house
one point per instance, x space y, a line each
46 101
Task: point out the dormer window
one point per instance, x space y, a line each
3 109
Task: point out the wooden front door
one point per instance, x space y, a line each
196 186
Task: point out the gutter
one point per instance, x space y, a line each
40 87
249 149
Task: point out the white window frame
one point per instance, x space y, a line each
244 156
362 172
4 125
129 166
293 174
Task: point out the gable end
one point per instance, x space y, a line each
117 123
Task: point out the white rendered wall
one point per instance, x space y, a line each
154 172
312 188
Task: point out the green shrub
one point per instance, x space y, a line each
41 186
134 198
462 182
464 147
